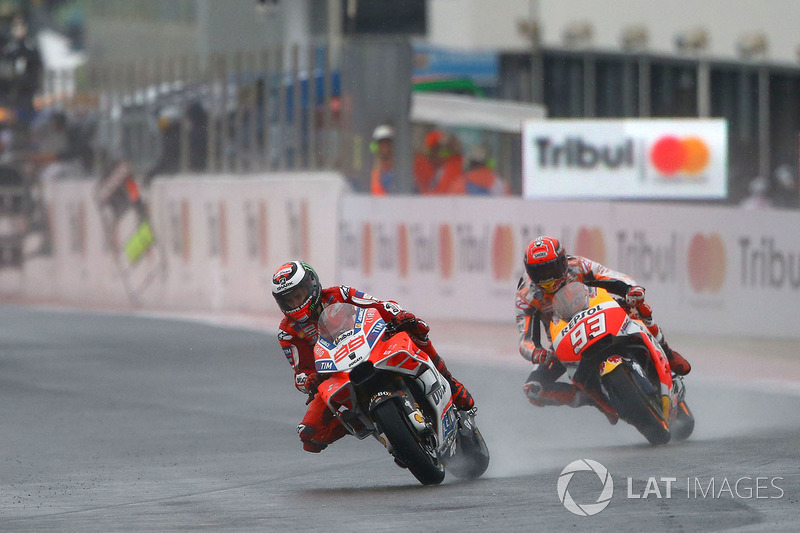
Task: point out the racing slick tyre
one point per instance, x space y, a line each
419 457
472 458
635 406
683 425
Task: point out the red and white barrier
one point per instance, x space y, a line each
218 240
716 270
719 270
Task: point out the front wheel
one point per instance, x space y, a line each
634 405
419 457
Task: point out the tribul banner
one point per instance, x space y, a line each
625 159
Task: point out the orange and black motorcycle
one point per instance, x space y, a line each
611 355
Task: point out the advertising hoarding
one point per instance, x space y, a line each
625 159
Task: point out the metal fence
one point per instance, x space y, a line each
276 109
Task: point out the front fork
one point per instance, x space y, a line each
409 407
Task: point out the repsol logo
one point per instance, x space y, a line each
576 152
583 314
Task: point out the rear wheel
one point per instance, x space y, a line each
635 406
472 458
419 457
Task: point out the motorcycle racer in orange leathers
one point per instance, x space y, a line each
548 268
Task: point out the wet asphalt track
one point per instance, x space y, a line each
115 423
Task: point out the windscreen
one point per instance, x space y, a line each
335 320
570 300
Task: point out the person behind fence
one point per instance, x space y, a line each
382 176
197 120
438 169
169 160
758 194
22 67
480 177
786 188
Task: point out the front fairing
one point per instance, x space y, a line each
351 336
584 316
594 326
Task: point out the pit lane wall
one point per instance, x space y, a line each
716 270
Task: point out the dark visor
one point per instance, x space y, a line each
293 299
545 271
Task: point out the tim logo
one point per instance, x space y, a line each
322 366
706 263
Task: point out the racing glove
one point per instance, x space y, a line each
307 384
635 296
544 357
301 382
416 328
635 300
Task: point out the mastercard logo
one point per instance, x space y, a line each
590 244
672 155
446 251
706 263
502 252
402 250
366 249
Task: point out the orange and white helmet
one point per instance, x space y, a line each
546 263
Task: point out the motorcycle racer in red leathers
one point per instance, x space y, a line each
547 269
301 298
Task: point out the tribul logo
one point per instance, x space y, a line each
590 244
684 156
587 509
502 252
706 263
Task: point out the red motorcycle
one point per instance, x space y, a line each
381 384
613 357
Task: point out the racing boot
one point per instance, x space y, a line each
583 398
677 363
554 394
309 444
462 399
